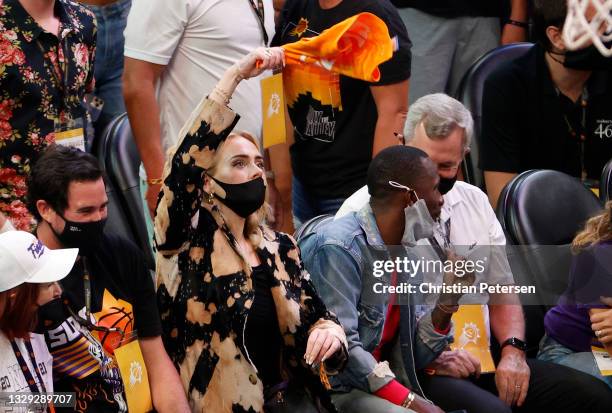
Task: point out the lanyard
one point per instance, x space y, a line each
584 101
87 289
445 233
259 11
26 370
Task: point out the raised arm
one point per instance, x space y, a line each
207 127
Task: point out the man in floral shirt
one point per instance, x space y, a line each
46 65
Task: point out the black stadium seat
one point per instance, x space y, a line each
605 183
470 94
120 160
541 211
311 225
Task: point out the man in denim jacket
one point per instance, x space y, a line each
339 258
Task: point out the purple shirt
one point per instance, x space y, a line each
590 277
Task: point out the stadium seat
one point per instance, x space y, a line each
470 94
605 183
121 162
311 225
541 211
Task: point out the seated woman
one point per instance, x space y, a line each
29 281
583 316
241 320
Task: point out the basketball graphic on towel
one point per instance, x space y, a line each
114 314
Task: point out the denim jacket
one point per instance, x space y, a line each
338 257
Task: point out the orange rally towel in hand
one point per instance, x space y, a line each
354 47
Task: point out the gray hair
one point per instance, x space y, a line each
440 115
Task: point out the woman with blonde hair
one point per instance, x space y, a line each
241 319
583 316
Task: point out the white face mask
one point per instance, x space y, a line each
418 222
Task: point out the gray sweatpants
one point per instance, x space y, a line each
443 49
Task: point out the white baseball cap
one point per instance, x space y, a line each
24 259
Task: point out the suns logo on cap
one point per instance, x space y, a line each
37 249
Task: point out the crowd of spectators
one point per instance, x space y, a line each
240 316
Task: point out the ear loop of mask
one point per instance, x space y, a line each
400 186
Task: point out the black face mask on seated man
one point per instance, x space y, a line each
446 184
588 58
244 198
86 236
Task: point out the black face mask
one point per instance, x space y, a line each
86 236
588 58
446 184
245 198
50 315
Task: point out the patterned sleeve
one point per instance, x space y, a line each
183 177
318 316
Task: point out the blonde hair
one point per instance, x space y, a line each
597 229
254 222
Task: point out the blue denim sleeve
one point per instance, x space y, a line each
337 275
429 343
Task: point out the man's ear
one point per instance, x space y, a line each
556 39
45 210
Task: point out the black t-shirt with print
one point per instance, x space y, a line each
122 296
528 124
456 8
333 142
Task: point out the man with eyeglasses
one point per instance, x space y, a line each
442 127
108 299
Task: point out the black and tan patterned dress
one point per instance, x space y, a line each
204 306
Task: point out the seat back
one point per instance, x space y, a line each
605 183
470 94
312 225
121 161
541 211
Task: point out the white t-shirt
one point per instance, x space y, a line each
197 40
11 376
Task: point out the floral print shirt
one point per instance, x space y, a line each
43 77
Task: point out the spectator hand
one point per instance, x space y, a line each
456 363
322 344
420 405
512 377
513 34
259 60
451 278
601 322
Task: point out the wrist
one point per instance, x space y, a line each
514 347
518 23
393 392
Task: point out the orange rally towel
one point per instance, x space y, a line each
354 47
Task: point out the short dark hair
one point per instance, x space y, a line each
399 163
53 172
547 13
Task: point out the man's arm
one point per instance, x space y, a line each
139 82
495 183
167 391
512 33
512 373
392 107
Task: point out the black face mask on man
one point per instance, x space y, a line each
244 198
588 58
446 184
86 236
